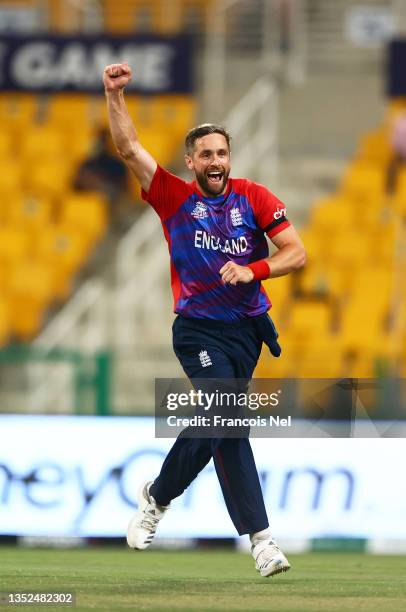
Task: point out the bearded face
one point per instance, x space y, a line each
210 161
213 181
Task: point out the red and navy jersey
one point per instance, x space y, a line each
204 233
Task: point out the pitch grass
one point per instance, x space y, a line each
121 579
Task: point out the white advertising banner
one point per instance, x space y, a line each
78 476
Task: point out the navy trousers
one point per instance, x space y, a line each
207 350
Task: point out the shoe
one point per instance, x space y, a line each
143 525
269 558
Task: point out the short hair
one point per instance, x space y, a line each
203 130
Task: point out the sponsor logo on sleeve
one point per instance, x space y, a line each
278 214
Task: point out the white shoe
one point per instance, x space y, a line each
269 558
143 525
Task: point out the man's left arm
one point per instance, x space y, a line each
290 256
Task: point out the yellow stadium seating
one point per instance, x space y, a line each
5 323
364 183
86 212
361 324
281 367
14 244
330 214
42 143
278 290
320 279
375 147
18 109
30 292
6 145
176 112
158 144
63 243
350 249
309 320
394 108
321 359
161 121
356 261
122 17
69 109
10 178
30 213
48 180
79 142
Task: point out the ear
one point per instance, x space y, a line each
188 162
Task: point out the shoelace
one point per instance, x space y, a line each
267 554
149 521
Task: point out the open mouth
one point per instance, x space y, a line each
215 177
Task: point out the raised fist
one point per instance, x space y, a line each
116 76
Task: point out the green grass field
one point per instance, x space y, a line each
121 579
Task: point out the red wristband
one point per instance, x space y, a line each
260 269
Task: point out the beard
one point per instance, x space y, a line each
212 189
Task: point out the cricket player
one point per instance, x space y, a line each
215 227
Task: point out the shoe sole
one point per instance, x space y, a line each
275 571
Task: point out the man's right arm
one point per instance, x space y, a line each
140 162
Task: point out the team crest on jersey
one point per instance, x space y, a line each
236 218
205 359
200 211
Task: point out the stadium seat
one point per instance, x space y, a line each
6 144
68 249
10 178
29 213
283 367
48 180
176 112
30 293
42 143
321 358
361 324
14 244
351 249
309 320
62 108
278 290
78 142
18 109
364 183
330 214
86 212
122 17
159 144
318 278
5 323
376 148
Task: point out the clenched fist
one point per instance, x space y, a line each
232 273
116 76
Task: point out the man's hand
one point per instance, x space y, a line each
232 274
116 76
